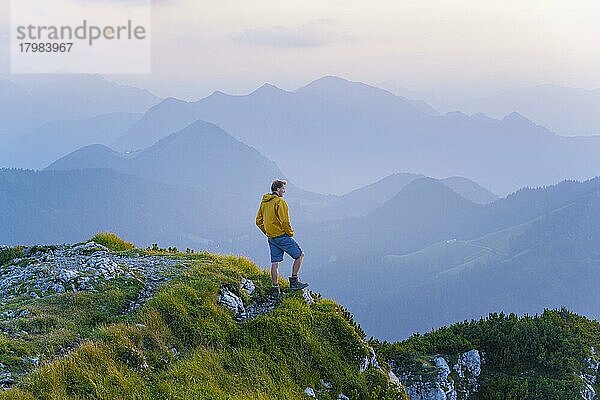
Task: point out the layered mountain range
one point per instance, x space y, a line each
432 250
436 256
353 134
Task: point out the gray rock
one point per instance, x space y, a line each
468 363
48 270
6 379
233 302
590 376
326 385
587 392
248 286
393 377
32 360
307 296
437 381
310 392
443 368
425 391
370 360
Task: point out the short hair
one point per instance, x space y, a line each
277 183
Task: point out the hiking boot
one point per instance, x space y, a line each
275 292
296 284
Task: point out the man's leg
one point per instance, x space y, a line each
297 265
295 283
275 273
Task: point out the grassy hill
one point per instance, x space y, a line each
106 320
70 332
551 356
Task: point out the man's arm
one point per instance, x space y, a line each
259 220
284 217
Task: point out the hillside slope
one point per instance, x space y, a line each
38 207
80 321
56 139
546 260
86 321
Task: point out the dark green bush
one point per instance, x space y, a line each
7 255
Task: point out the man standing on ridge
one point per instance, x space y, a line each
273 219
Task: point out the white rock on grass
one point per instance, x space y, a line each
46 270
307 296
588 392
445 384
326 385
393 377
232 301
443 368
310 392
248 286
370 360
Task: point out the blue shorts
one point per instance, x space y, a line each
281 244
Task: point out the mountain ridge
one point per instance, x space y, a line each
363 125
168 324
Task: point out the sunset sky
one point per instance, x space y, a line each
235 46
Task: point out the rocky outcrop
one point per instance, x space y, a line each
47 270
468 369
370 361
431 378
589 376
233 302
228 297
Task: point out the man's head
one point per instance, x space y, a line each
278 187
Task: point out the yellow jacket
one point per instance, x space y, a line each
273 217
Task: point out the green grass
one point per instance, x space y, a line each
59 322
182 345
112 241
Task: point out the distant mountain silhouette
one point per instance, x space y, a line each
30 100
354 133
20 111
81 96
202 155
564 110
328 121
360 202
55 139
423 212
62 206
536 248
469 190
92 156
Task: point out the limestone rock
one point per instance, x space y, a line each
370 360
233 302
310 392
248 286
435 380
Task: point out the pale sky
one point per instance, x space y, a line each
235 46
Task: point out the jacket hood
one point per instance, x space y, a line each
268 197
